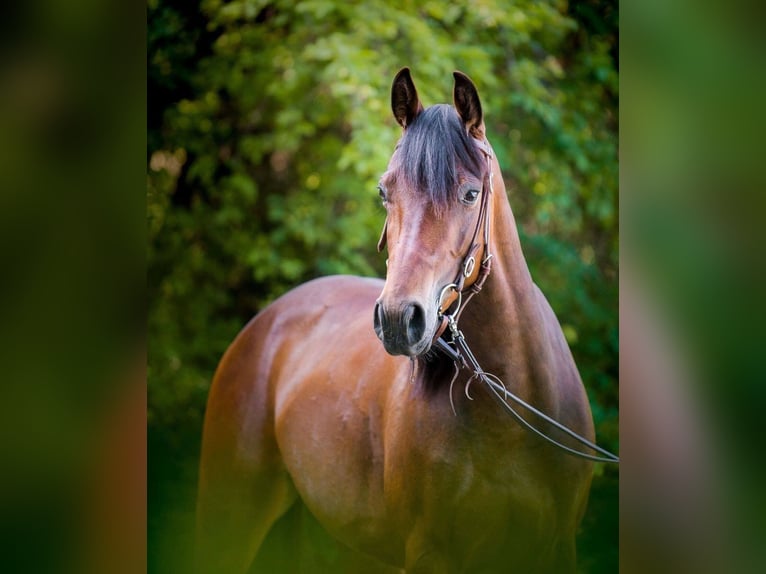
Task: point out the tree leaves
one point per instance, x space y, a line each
263 166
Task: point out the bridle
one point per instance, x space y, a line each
453 298
470 278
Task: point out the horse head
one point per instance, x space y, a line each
436 194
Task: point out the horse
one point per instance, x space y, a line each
335 398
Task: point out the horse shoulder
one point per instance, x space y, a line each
329 377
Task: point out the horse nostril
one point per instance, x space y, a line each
416 323
377 319
400 330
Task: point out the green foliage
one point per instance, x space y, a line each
270 125
262 170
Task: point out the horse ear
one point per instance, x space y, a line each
468 104
404 98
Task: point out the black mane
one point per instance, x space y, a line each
431 149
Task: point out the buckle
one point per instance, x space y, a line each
468 266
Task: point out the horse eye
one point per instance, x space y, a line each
470 196
382 194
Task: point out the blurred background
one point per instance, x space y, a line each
268 126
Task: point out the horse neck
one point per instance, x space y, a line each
504 324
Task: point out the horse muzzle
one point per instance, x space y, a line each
402 329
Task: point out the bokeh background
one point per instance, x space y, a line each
269 125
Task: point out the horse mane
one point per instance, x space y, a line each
431 149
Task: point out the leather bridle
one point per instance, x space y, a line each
470 277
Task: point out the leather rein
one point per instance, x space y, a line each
468 282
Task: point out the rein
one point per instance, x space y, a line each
462 357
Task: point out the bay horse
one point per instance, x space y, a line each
334 398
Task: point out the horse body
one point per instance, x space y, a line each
401 466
